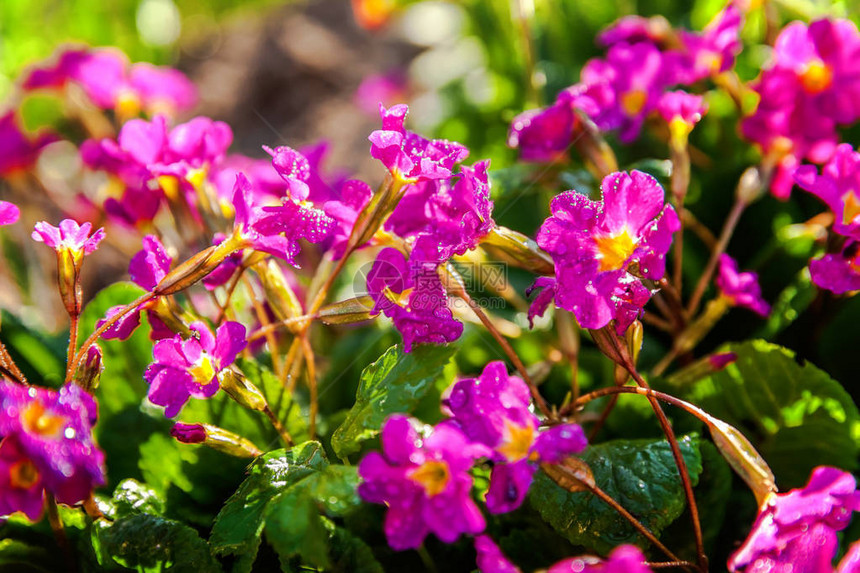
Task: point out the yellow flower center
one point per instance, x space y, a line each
127 104
852 207
613 251
36 420
817 77
633 101
433 476
23 474
517 442
203 371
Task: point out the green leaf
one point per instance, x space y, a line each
18 556
350 553
639 474
796 415
152 543
294 527
40 356
161 463
240 522
132 497
393 384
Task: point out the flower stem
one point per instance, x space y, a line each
610 501
679 462
279 427
719 249
457 290
59 531
73 343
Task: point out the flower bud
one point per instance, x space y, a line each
87 376
242 390
216 438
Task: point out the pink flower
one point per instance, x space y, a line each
407 155
602 249
47 444
186 368
796 531
741 289
838 186
424 482
19 150
69 236
493 410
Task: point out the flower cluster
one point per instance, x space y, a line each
602 250
811 87
440 215
110 81
645 58
46 445
426 483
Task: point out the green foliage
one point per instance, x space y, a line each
285 495
393 384
640 474
150 543
796 415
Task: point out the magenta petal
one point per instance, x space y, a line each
204 336
490 558
509 484
124 327
630 201
405 528
9 213
168 388
399 439
229 342
150 265
559 442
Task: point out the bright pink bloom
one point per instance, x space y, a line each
47 442
680 106
493 410
110 82
838 272
407 155
811 88
741 289
186 368
601 249
188 433
424 482
838 186
69 236
796 531
411 294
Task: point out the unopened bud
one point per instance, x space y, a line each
242 390
68 279
280 295
750 186
198 266
215 438
89 373
633 336
517 249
